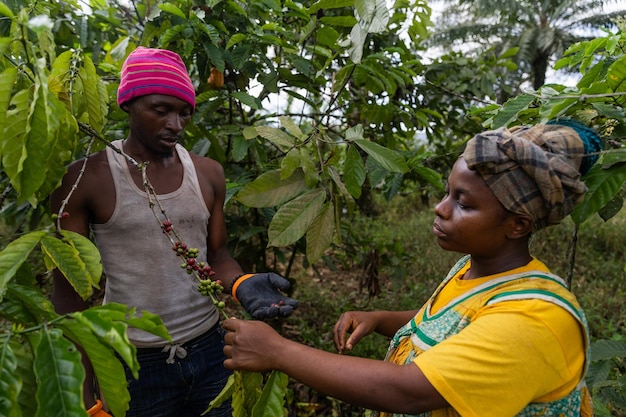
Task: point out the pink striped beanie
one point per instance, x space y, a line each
155 71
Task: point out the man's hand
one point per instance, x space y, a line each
261 296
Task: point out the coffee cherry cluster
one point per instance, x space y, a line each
167 226
204 272
211 288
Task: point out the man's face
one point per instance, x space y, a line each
157 121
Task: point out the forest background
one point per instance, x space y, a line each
336 123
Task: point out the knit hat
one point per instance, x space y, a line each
535 170
155 71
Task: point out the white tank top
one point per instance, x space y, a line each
141 268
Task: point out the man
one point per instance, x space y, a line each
178 379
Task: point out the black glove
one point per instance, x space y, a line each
259 294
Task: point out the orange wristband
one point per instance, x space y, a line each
93 410
238 281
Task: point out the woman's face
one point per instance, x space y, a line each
469 218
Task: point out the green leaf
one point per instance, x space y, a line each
269 189
272 399
616 76
276 136
307 162
88 252
26 373
13 141
246 392
10 383
354 172
112 334
603 185
290 163
33 301
608 349
511 109
5 11
387 158
7 78
60 375
107 367
429 175
246 99
320 235
329 4
172 9
293 219
224 395
90 79
16 253
336 177
374 15
290 126
67 259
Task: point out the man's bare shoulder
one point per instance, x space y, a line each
207 165
93 171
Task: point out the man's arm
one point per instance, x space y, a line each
260 294
226 268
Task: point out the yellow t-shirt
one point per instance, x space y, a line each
510 354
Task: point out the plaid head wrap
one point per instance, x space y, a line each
533 170
155 71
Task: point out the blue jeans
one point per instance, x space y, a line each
183 388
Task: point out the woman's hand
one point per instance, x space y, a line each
250 345
358 323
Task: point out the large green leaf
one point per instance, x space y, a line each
10 383
511 109
603 185
608 349
616 76
387 158
16 253
88 252
148 322
244 389
112 333
43 123
67 259
293 219
270 190
329 4
354 172
91 82
320 234
33 301
26 373
7 78
60 374
373 15
247 99
277 136
13 150
107 367
336 177
272 399
225 394
110 322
